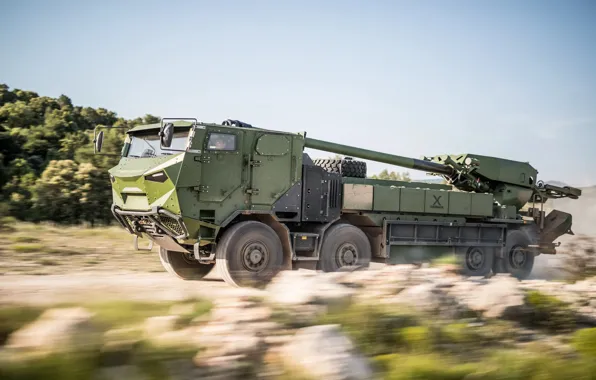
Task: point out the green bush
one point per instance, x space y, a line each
27 247
13 318
584 341
417 338
375 329
550 313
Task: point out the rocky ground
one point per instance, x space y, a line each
401 322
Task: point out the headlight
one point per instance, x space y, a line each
112 179
157 177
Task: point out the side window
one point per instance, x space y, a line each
221 141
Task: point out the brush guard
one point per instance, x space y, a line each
158 222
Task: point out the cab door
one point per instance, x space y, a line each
221 161
273 167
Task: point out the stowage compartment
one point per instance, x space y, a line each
417 200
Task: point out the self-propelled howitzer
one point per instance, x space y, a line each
252 202
512 182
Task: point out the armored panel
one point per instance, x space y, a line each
436 202
273 145
412 200
320 194
288 206
482 204
135 202
221 169
497 169
358 197
271 167
460 203
386 198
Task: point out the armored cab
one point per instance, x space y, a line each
251 202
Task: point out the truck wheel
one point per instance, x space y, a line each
344 245
179 265
519 258
249 254
476 261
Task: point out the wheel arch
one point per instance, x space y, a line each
281 230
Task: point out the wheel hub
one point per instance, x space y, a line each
347 255
518 257
475 259
255 256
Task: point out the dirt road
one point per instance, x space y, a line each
126 285
85 286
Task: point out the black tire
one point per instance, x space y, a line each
518 258
476 261
344 246
181 266
249 254
345 167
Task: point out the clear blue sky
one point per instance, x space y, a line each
515 79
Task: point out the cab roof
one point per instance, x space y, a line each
148 127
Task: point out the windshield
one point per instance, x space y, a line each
149 145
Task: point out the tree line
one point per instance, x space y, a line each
48 171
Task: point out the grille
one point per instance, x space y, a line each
171 224
333 193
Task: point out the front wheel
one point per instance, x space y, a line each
344 245
182 266
249 254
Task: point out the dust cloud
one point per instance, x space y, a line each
583 210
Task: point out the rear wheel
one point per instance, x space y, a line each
519 257
344 246
182 266
249 254
476 261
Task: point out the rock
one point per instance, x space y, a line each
182 309
301 287
247 345
118 345
241 315
278 340
430 298
155 326
324 352
176 338
223 367
500 297
57 330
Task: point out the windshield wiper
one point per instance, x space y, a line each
150 146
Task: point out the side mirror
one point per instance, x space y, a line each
98 141
167 134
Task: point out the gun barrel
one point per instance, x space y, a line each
391 159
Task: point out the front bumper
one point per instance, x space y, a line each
155 223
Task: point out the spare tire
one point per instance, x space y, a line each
346 167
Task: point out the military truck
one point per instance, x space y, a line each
251 202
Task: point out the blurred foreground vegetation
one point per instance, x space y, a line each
401 344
